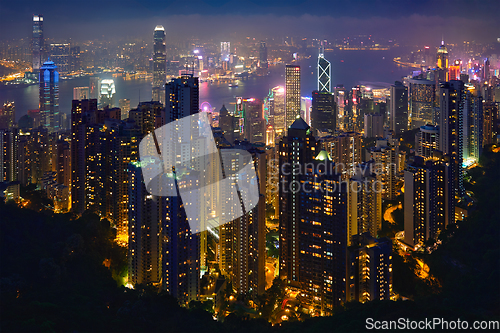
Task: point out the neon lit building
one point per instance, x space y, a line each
49 97
292 94
324 72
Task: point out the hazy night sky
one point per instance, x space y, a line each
422 21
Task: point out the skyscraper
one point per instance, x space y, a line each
429 198
225 51
427 141
374 125
365 201
324 71
454 70
385 154
60 55
242 241
184 251
451 126
277 109
107 93
442 57
263 55
442 64
255 124
7 115
473 127
80 93
421 95
369 269
9 140
313 220
345 151
399 108
49 97
324 112
297 147
38 42
159 64
292 94
181 98
145 217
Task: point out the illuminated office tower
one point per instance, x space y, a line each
442 57
324 112
442 64
429 199
369 269
144 232
60 55
255 124
398 116
95 88
374 125
324 72
473 127
313 220
80 93
427 141
107 93
454 70
49 97
38 42
181 98
159 64
489 121
9 141
263 55
124 105
345 149
225 51
7 115
385 154
421 95
486 69
278 110
451 133
365 202
292 94
297 147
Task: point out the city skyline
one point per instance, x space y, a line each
236 175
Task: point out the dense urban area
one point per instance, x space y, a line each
283 208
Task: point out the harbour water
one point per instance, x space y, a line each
348 67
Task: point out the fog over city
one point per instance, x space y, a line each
409 22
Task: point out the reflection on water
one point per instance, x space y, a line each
348 68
